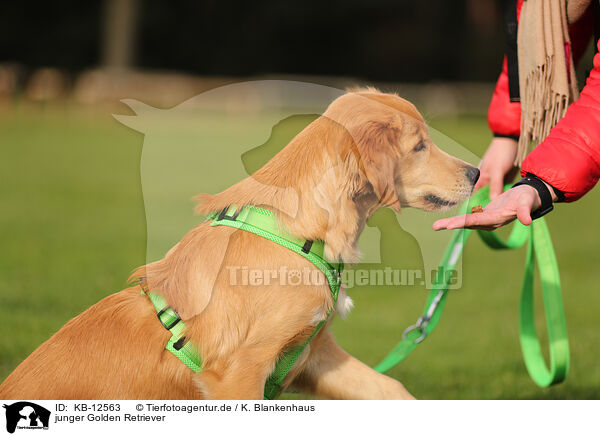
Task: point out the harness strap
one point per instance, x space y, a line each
186 351
539 246
261 222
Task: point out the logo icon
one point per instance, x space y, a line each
26 415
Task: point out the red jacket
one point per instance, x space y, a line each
569 157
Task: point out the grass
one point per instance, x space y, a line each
73 226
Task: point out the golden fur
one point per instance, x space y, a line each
367 151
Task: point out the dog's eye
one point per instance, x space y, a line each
419 147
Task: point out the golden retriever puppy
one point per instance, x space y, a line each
368 150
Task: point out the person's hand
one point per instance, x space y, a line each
517 202
497 166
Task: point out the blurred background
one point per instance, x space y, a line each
96 51
72 221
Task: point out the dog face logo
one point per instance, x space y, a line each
188 150
26 415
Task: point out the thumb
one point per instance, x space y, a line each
496 185
524 214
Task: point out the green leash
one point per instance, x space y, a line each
540 249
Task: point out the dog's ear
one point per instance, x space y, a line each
376 147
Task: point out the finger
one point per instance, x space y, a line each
444 223
524 214
496 185
456 222
487 220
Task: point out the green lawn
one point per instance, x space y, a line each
73 226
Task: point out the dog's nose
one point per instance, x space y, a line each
472 174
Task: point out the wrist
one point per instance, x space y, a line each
552 193
501 135
535 195
545 195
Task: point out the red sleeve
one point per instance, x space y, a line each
569 158
504 116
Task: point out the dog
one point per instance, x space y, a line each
367 151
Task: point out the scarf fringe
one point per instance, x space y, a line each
541 108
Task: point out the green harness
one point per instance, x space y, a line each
260 222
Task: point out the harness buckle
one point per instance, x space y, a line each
337 272
223 215
337 275
172 323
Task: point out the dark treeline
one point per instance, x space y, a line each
395 40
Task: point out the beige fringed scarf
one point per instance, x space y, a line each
547 79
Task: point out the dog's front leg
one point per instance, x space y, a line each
330 372
241 376
217 386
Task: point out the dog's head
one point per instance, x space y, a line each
391 154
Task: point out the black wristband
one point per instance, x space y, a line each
560 196
501 135
543 191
